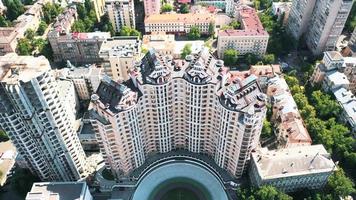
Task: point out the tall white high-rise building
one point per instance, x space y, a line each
121 13
33 114
195 104
322 22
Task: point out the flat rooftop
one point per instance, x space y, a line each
14 68
179 18
348 102
293 161
57 190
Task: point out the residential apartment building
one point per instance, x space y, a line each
152 7
347 101
289 126
251 39
86 79
119 54
281 9
29 20
195 104
33 114
178 23
78 48
291 169
322 22
59 190
121 13
332 60
99 8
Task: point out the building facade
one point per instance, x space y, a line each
152 7
195 104
121 13
322 22
291 169
34 116
119 54
251 39
178 23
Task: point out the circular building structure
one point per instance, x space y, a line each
190 180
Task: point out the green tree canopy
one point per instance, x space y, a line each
42 28
3 136
78 26
266 129
30 34
167 8
24 47
184 8
187 49
128 31
340 184
194 33
235 24
230 57
50 12
4 22
211 28
14 9
268 59
326 106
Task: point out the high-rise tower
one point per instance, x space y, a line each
33 115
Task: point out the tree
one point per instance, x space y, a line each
28 2
326 106
167 8
194 33
340 184
50 12
22 181
128 31
351 20
269 192
211 28
82 12
14 9
230 56
78 26
268 59
187 49
266 129
3 136
4 22
251 59
235 24
24 47
42 28
30 34
184 8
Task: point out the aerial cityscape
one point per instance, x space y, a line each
177 99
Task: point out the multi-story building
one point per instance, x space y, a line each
59 190
79 48
34 116
291 169
152 7
99 8
281 9
86 80
251 39
322 21
195 104
332 60
120 54
289 126
178 23
121 13
69 98
347 101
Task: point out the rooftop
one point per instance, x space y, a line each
14 68
295 161
57 191
334 55
250 23
189 18
348 102
337 78
125 46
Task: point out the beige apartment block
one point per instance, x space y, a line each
121 13
252 38
195 104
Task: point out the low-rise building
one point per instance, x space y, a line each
281 9
334 80
332 60
290 129
252 38
347 101
165 44
86 134
31 19
59 190
291 169
178 23
120 54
